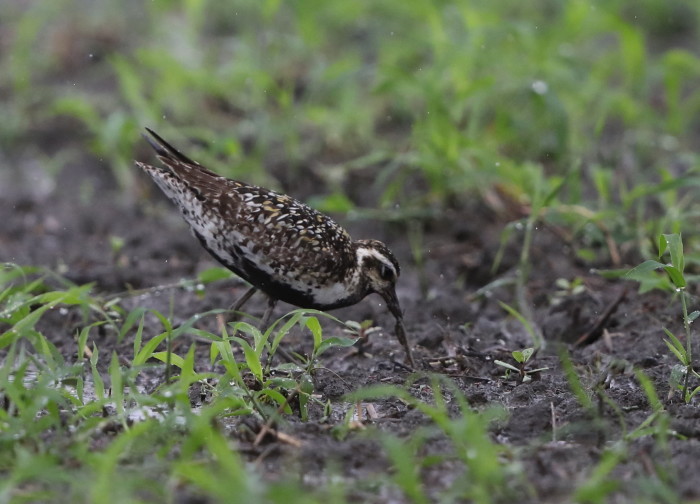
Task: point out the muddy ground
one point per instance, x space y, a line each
66 224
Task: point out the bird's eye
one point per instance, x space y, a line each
386 272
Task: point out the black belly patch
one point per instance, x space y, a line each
248 271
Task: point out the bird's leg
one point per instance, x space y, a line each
271 302
232 314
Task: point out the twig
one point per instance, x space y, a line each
595 332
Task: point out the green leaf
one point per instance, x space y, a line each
276 396
259 339
294 318
676 276
692 394
117 383
214 274
336 341
306 388
228 360
642 271
175 359
129 322
281 382
138 338
676 342
679 355
97 381
676 347
506 365
314 326
147 351
83 336
252 359
675 249
677 377
662 245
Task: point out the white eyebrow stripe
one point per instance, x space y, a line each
363 252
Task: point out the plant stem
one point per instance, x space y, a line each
688 345
521 280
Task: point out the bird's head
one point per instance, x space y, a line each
379 271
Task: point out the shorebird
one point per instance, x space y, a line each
277 244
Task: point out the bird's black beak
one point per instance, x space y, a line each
392 303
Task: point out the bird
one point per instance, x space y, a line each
279 245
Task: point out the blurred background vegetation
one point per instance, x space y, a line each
431 104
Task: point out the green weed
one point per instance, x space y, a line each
486 476
645 273
521 357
